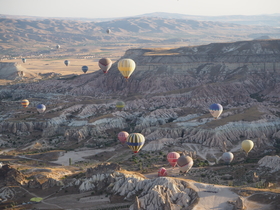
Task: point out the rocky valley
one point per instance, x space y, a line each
166 99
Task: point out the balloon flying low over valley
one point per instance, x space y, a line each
139 113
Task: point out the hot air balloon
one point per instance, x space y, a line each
108 31
185 163
25 103
247 146
126 67
122 136
57 46
227 157
105 64
135 141
41 108
172 158
216 110
162 172
23 60
66 62
120 105
85 69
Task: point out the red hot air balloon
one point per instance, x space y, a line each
162 172
122 136
172 158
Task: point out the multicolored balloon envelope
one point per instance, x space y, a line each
185 163
85 69
66 62
126 67
135 141
172 158
25 103
105 64
162 172
216 110
122 136
41 108
247 145
227 157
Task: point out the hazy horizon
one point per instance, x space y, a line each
125 8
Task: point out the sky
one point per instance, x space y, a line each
125 8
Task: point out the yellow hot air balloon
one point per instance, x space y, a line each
25 103
247 145
126 67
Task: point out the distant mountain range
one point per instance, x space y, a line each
261 20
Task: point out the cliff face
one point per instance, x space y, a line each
167 96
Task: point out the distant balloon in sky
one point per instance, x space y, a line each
162 172
66 62
227 157
105 64
185 163
85 69
57 46
122 136
247 145
41 108
23 60
172 158
135 141
126 67
25 103
216 110
108 31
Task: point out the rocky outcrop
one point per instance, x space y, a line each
159 193
271 162
9 176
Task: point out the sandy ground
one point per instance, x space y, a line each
78 155
57 65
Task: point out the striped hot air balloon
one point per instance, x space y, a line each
25 103
41 108
216 110
126 67
172 158
135 141
105 64
122 136
185 163
85 69
162 172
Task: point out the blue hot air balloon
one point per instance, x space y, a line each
85 69
41 108
216 110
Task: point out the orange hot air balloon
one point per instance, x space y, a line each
25 103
